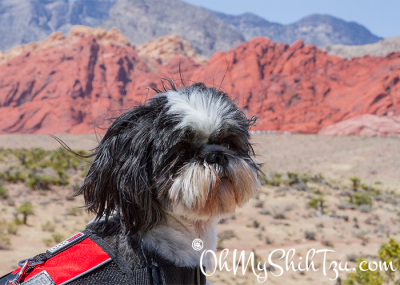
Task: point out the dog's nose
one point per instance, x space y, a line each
217 157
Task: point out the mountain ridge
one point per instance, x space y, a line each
74 84
317 29
25 21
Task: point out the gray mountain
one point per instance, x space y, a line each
143 20
320 30
24 21
381 48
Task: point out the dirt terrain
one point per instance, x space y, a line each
281 216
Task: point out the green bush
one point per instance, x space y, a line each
361 199
48 227
355 182
44 182
3 192
47 241
5 242
26 210
293 177
363 277
12 228
13 175
317 204
33 160
57 238
388 252
304 178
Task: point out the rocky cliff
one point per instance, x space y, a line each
74 84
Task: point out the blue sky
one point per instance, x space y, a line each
381 17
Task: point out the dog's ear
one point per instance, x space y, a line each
120 177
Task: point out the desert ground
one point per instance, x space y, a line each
306 202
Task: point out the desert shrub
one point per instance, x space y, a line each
57 237
74 211
327 243
62 160
227 234
355 182
362 234
317 203
364 208
278 213
5 242
268 240
3 192
309 235
351 257
259 204
47 241
31 158
318 178
48 227
317 192
388 252
361 199
26 209
273 182
44 182
256 224
265 212
13 175
304 178
12 228
364 276
293 177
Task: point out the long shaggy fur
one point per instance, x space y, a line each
166 172
150 159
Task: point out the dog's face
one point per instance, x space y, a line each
186 152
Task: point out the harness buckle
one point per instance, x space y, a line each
24 264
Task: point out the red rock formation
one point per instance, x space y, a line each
74 84
365 125
166 48
300 88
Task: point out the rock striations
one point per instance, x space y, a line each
74 84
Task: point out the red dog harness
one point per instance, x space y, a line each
85 255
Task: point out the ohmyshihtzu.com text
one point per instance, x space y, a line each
260 270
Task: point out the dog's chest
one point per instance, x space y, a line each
174 243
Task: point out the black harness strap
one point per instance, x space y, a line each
168 275
142 276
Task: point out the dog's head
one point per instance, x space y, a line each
185 152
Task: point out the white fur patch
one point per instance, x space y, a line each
173 241
201 111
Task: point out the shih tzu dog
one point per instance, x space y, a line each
165 173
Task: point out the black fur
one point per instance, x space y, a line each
141 152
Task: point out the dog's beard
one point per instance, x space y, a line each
203 190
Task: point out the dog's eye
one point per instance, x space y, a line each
226 145
186 155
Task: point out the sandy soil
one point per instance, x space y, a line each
337 158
